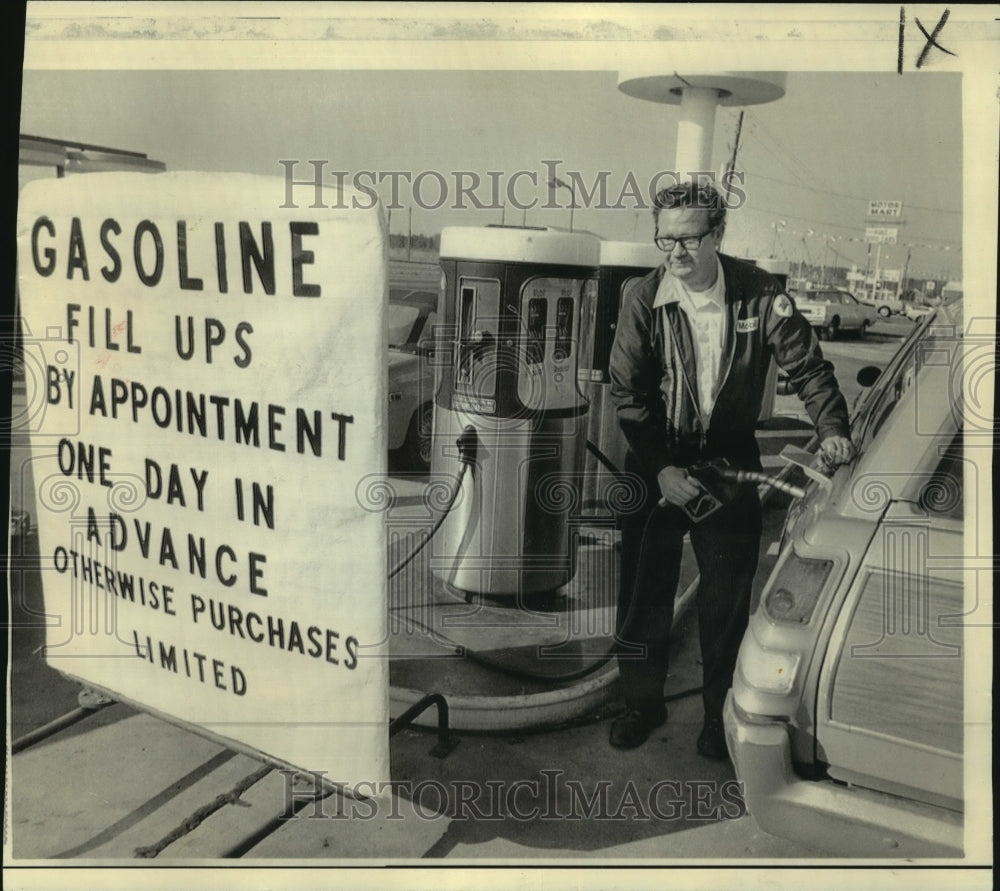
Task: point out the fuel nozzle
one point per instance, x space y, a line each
719 484
813 466
716 489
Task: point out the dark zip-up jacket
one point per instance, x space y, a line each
654 383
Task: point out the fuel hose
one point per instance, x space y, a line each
467 447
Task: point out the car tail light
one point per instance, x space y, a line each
794 591
770 671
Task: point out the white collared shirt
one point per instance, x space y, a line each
706 312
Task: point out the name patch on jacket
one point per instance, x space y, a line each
744 326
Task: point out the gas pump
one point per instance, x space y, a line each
519 310
623 265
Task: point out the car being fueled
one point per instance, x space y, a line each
845 721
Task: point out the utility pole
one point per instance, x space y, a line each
555 182
876 289
409 231
868 267
902 278
736 148
732 158
778 225
822 268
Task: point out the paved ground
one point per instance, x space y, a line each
552 792
122 784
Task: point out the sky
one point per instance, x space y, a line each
812 160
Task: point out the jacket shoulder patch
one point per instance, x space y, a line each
783 306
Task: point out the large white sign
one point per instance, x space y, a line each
212 375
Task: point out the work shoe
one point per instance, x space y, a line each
633 728
712 740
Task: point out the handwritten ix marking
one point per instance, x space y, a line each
931 39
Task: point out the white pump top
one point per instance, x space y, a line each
514 244
643 254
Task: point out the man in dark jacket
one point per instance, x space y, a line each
688 372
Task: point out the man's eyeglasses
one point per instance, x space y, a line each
689 242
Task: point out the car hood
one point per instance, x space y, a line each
406 369
811 309
399 360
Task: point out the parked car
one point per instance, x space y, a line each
951 291
885 306
831 311
20 524
917 311
412 314
845 721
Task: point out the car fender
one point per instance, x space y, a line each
403 394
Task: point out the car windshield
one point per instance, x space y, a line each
402 318
895 380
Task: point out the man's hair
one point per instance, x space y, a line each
692 194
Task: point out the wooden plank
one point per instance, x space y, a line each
342 828
144 839
104 788
911 660
232 824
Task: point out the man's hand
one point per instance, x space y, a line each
676 486
836 450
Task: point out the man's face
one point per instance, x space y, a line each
696 268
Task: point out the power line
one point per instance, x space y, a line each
774 146
849 197
918 239
837 253
792 216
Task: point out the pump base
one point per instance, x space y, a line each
515 712
505 663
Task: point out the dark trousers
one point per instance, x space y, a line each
726 547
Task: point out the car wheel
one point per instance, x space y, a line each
829 331
417 447
884 311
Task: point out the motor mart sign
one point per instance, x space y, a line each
210 371
885 209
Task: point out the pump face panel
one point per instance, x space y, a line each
521 336
478 338
558 325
